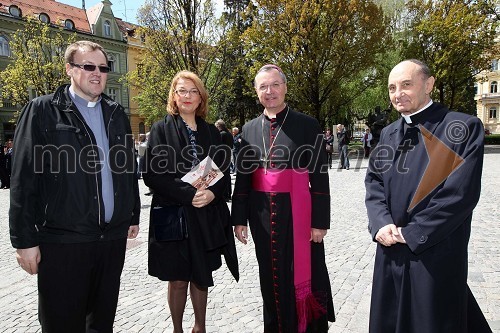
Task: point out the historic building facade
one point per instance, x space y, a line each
97 24
488 97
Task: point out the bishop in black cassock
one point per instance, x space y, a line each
282 173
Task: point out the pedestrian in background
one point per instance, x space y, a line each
176 145
366 139
343 143
236 147
329 146
70 214
9 149
141 150
4 179
422 185
227 139
282 191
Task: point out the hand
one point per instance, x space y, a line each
317 235
202 198
133 231
389 235
241 233
29 259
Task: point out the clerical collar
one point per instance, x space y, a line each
81 100
279 115
408 118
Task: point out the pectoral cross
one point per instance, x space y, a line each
265 162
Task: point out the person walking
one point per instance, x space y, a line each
282 192
74 196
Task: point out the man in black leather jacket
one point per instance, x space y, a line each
74 196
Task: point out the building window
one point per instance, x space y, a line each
44 18
493 112
107 28
113 94
68 24
494 87
15 11
494 65
142 128
4 47
476 89
112 63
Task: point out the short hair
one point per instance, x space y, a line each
236 129
82 45
423 68
220 123
202 109
267 68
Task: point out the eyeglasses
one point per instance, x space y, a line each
185 92
91 68
274 86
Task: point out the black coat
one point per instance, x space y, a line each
209 228
55 184
421 286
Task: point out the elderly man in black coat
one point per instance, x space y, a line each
422 185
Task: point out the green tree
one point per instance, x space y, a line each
451 37
235 99
38 61
179 35
321 45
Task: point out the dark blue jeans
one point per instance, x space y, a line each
344 158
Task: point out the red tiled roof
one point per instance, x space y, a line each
125 27
58 12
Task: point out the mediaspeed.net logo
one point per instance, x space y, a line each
443 161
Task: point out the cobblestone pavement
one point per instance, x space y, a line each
236 307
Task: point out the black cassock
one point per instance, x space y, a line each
297 142
426 178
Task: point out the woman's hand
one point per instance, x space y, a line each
203 198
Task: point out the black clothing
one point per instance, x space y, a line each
299 144
227 139
329 151
210 233
421 286
56 203
236 149
65 303
4 176
343 141
60 202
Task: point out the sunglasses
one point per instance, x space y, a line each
91 68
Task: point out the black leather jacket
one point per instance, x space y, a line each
56 183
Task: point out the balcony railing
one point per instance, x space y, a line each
490 95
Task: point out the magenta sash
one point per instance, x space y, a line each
296 182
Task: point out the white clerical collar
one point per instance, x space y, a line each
83 100
408 117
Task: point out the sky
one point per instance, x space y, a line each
124 9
